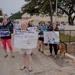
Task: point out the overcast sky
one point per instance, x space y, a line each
11 6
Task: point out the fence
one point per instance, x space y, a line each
67 36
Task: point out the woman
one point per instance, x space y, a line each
41 28
30 23
54 28
6 31
24 52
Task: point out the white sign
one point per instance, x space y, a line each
51 37
32 29
25 39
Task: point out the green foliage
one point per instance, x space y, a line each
43 6
16 15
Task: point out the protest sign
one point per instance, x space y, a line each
32 29
25 39
51 37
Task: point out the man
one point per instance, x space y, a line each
17 25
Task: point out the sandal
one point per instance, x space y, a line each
5 56
42 51
13 56
30 70
23 68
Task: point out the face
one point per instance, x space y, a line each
24 26
5 21
31 22
54 26
17 22
43 24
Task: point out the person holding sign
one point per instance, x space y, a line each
54 28
24 52
42 27
5 32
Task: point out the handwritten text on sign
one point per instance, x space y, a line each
25 39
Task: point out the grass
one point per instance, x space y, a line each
66 38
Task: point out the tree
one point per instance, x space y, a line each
16 15
43 6
68 7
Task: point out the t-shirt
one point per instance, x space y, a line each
17 26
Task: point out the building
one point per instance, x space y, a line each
45 18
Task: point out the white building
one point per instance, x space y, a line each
45 18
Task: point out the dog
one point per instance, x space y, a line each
62 50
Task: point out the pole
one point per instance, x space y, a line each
56 10
51 18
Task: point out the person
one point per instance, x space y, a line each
30 23
17 26
6 32
0 23
54 28
61 26
42 27
24 52
10 23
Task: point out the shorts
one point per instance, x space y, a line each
27 51
41 39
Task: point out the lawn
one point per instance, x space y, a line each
65 38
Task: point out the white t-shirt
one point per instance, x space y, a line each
61 27
17 26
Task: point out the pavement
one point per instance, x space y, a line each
41 63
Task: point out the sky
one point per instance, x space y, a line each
11 6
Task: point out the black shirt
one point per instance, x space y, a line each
6 31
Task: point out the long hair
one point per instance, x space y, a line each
55 28
42 22
3 21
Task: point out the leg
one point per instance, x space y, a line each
4 46
29 62
23 60
10 46
42 47
55 49
39 42
50 48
